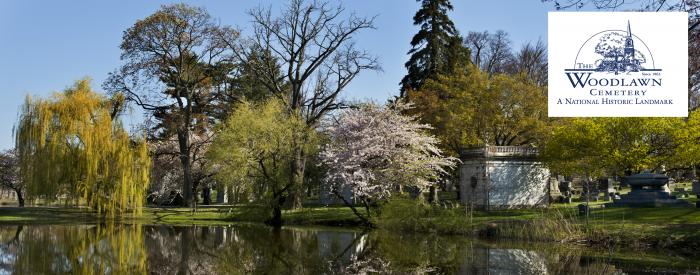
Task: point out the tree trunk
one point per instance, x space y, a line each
219 236
365 220
20 198
184 144
458 188
206 195
432 194
230 196
185 241
276 219
220 193
296 193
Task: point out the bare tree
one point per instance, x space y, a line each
173 59
313 44
531 61
490 52
498 53
477 42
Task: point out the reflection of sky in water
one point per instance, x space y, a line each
120 249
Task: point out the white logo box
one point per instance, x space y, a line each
618 64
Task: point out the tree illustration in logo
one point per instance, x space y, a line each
618 53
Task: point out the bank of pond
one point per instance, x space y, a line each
611 238
244 248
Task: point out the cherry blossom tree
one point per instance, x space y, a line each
375 150
10 176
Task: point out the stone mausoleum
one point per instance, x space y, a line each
497 177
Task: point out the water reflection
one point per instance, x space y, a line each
244 249
78 249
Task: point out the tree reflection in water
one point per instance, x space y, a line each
244 249
77 249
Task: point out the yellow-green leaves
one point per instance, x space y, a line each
69 147
256 145
472 108
613 146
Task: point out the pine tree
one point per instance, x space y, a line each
431 51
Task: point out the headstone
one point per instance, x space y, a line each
671 183
583 210
680 191
565 189
554 192
696 187
608 188
564 186
589 191
623 182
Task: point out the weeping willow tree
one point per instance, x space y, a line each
69 145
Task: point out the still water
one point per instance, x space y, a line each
245 249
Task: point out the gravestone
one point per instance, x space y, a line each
680 191
583 209
565 189
648 189
607 186
554 192
589 191
696 187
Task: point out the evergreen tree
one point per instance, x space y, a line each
433 46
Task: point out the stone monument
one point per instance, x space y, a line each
497 177
648 190
565 187
607 185
554 192
696 187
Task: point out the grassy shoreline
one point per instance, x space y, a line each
637 228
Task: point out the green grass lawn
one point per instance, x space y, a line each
341 215
666 226
204 215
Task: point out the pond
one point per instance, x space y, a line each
246 248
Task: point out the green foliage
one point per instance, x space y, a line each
69 145
254 148
552 225
472 108
409 215
617 146
687 139
75 249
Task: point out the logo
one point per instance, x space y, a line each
599 67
